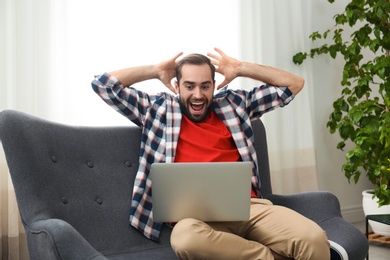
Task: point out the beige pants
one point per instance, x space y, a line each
272 232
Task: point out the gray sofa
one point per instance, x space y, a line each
74 184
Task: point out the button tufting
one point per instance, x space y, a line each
54 159
64 200
128 164
89 164
99 200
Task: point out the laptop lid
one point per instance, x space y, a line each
212 191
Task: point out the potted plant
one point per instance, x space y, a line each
361 115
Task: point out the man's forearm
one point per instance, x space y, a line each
133 75
272 76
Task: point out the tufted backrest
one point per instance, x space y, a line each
84 176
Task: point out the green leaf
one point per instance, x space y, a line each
341 104
340 145
344 106
352 100
360 140
332 127
326 34
356 156
351 17
299 58
381 73
340 19
362 35
374 45
337 115
315 35
333 51
346 91
356 177
357 116
377 33
377 172
346 131
379 13
337 36
361 90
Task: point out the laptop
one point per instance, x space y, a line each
212 191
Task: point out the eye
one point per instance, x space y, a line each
205 87
189 87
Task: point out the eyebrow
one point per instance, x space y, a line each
193 83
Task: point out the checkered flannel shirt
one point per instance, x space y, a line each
159 116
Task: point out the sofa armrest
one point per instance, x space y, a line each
57 239
317 206
347 242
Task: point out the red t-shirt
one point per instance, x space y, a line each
206 141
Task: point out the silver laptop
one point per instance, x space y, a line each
205 191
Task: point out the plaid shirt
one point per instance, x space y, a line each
159 116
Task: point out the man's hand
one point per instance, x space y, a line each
167 71
164 71
232 68
225 65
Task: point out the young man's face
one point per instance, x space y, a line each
196 89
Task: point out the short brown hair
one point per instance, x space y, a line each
194 59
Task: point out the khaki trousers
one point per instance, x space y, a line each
272 232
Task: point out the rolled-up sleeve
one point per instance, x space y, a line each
128 101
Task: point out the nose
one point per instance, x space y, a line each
197 93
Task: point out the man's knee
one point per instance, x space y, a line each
187 235
314 245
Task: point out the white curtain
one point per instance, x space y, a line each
273 31
50 50
25 70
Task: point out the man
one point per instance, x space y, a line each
198 126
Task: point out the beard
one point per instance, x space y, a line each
185 104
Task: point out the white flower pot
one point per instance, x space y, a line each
370 207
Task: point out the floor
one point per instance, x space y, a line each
377 251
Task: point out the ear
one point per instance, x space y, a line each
177 87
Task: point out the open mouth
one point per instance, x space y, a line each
197 108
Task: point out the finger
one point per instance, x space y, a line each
214 56
224 83
219 51
215 62
171 88
177 55
220 86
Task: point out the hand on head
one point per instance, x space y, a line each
225 65
167 71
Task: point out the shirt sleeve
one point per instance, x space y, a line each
266 98
128 101
259 100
